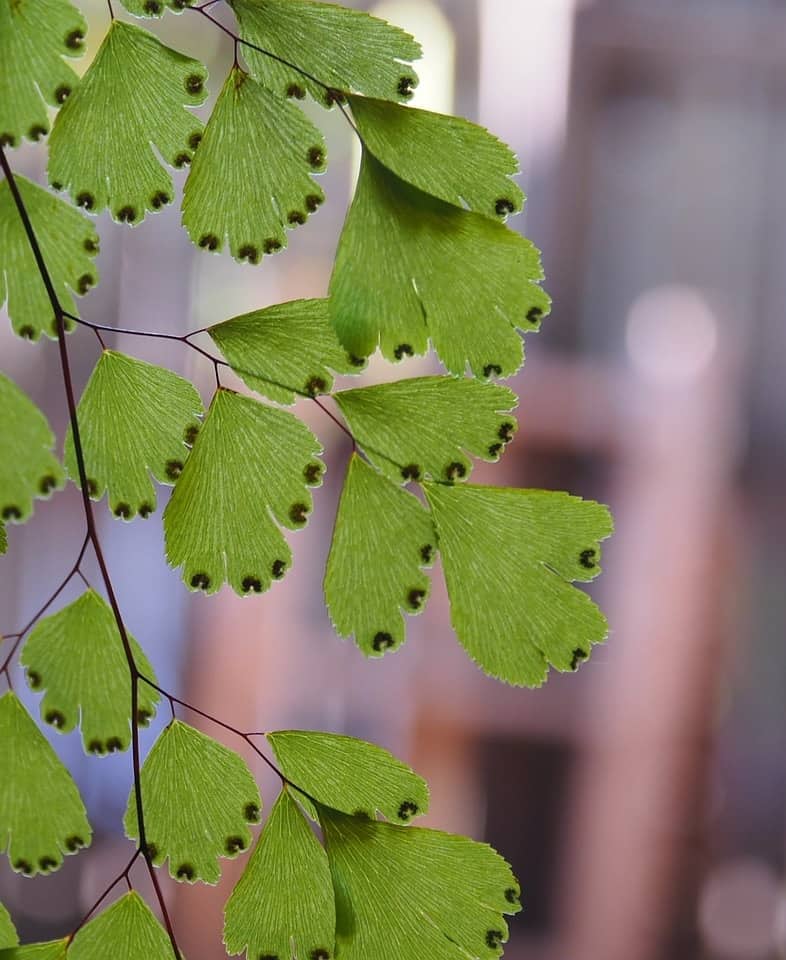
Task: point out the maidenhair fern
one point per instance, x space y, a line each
426 260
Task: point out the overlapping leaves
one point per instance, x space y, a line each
284 346
35 35
409 892
336 49
199 797
510 558
135 419
69 244
447 157
420 428
396 891
130 100
262 150
246 477
382 539
411 267
423 257
76 656
28 468
42 816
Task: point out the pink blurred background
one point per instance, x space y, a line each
642 800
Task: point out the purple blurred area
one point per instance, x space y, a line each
642 800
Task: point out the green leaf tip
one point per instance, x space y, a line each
127 929
382 539
52 950
28 468
8 937
35 35
411 267
42 817
447 157
131 99
135 419
69 245
248 475
285 351
199 797
263 151
77 658
282 905
349 775
510 558
410 892
419 428
3 539
345 49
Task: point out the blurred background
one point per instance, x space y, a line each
641 801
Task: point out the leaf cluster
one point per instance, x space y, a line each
426 260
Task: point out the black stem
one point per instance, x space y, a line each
217 362
105 894
92 532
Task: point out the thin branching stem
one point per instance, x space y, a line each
17 637
217 362
246 737
124 875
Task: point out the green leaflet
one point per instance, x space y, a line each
134 419
155 8
406 257
77 657
382 538
42 815
261 150
283 905
448 157
286 346
199 797
28 468
420 427
53 950
68 242
8 937
127 929
349 775
345 49
35 35
129 101
510 557
247 473
3 539
412 893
